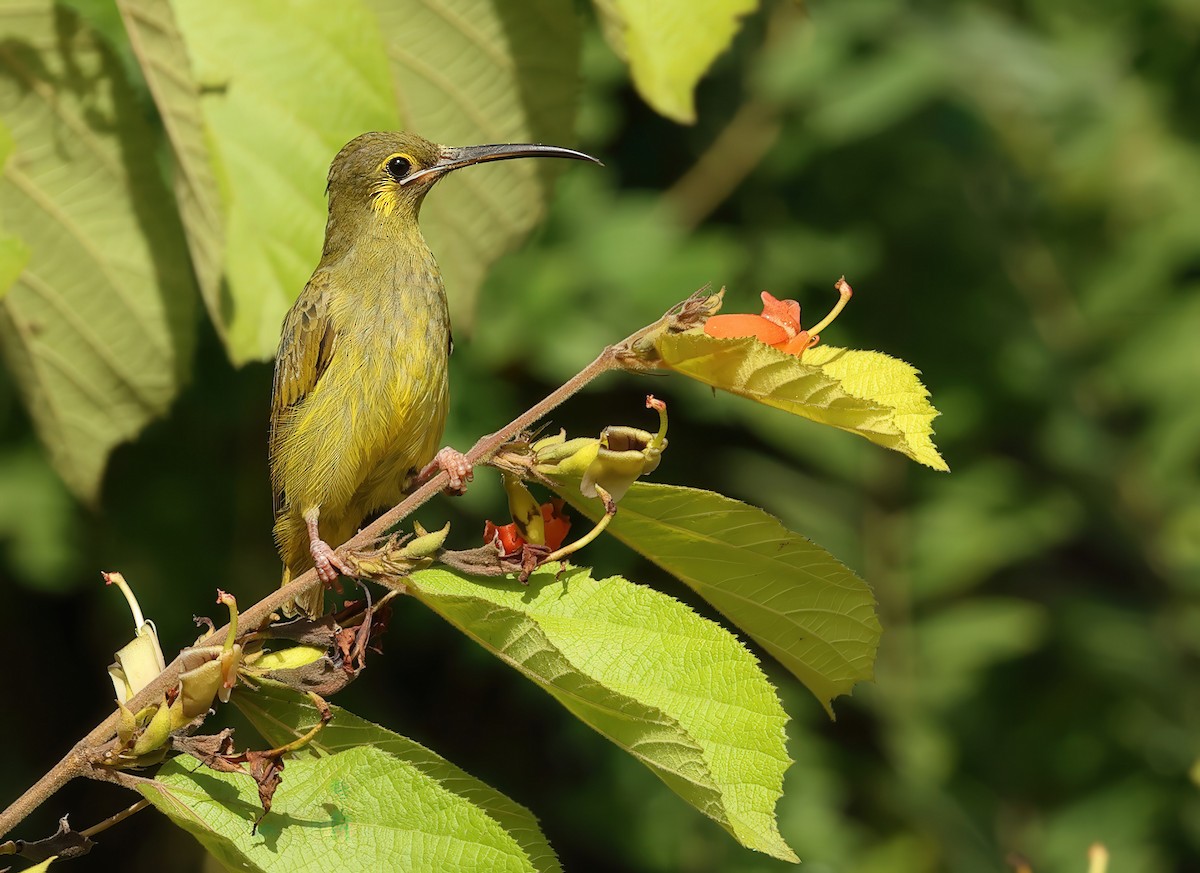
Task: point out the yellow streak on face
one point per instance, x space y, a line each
384 197
386 193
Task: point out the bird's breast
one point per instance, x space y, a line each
391 358
397 328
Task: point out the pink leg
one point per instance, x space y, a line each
325 559
456 465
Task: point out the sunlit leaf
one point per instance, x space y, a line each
669 45
479 71
677 691
281 715
794 598
97 329
158 45
867 393
14 255
373 808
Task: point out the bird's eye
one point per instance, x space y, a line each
398 167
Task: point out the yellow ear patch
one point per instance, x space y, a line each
386 194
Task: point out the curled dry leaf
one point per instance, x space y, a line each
65 844
264 767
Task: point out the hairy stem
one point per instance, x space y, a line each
74 764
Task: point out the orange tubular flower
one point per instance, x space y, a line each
779 325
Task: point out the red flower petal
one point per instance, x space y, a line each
785 313
557 524
506 538
797 345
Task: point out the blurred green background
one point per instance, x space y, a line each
1013 190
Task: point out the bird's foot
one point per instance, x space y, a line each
329 565
456 466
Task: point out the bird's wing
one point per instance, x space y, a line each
305 348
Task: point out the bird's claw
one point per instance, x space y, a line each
456 467
329 565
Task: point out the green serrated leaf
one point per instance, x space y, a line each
677 691
360 809
160 51
669 44
281 715
867 393
801 604
478 71
283 86
97 329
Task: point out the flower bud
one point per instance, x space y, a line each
425 544
560 458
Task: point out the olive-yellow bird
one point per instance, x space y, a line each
361 389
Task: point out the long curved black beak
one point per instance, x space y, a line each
454 157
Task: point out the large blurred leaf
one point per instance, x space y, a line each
798 602
867 393
38 515
475 71
283 85
369 809
678 692
97 329
669 44
14 255
281 716
158 45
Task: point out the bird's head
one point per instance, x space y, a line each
389 173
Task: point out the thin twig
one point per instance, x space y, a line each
116 819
